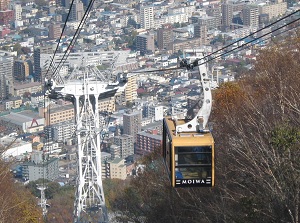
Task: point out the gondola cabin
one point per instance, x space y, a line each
189 156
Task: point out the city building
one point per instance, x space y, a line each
18 12
6 76
12 103
6 15
147 17
182 44
25 121
250 15
274 10
119 58
117 169
12 146
145 43
164 36
107 105
58 113
61 132
154 111
216 12
129 95
130 90
125 144
115 151
209 21
200 31
39 169
38 64
132 123
37 97
22 69
147 142
20 88
227 15
77 11
4 5
54 31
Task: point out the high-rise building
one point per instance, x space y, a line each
147 143
164 36
129 95
145 43
54 31
132 123
22 69
147 17
215 11
200 31
4 5
250 15
48 49
130 90
227 15
77 11
18 12
125 146
6 76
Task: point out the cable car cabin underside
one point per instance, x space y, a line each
189 156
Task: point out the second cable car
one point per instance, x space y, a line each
188 145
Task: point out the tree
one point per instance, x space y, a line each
17 47
17 204
261 146
25 50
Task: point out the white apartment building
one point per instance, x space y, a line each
156 112
18 12
147 17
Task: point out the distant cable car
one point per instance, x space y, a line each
188 145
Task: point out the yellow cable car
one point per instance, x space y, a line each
188 145
189 157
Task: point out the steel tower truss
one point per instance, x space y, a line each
85 92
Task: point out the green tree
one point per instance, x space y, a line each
17 47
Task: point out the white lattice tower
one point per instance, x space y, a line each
89 196
43 202
84 92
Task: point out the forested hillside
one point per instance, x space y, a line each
17 205
257 135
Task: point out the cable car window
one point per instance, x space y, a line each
194 162
167 149
194 155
